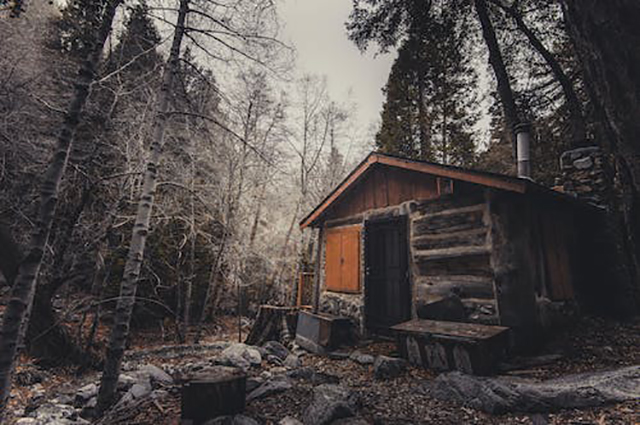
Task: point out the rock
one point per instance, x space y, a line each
274 360
140 389
273 386
276 349
329 403
309 374
503 394
241 356
583 163
57 414
361 358
338 355
253 383
85 393
156 374
388 367
292 362
27 421
289 421
125 381
232 420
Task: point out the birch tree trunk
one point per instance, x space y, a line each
126 300
22 292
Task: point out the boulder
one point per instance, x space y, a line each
140 389
388 367
272 386
502 394
155 374
241 356
292 362
85 393
361 358
276 349
330 403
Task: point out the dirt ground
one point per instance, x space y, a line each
591 344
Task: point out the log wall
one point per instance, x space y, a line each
451 253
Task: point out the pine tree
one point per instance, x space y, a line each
429 112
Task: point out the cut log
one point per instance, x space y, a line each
470 265
273 323
434 287
219 393
473 237
457 220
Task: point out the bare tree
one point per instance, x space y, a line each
126 299
16 315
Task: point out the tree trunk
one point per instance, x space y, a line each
605 34
10 255
497 63
126 300
22 292
576 116
46 339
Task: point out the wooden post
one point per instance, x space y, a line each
318 265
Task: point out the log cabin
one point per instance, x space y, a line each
398 236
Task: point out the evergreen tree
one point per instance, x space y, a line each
428 113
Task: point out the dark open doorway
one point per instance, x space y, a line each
387 291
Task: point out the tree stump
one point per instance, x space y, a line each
218 393
273 323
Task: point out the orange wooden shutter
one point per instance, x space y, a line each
333 258
342 260
351 260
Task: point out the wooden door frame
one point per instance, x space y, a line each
403 224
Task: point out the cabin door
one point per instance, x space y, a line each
387 291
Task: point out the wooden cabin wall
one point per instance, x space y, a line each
384 187
451 252
516 262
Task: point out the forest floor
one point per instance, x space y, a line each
591 344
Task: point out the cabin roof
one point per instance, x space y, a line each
483 178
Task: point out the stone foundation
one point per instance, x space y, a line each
347 305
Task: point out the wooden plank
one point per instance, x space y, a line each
333 259
477 265
431 287
351 260
333 196
458 174
473 237
450 329
467 219
455 252
420 190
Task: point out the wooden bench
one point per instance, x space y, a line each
468 347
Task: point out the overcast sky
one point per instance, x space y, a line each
316 28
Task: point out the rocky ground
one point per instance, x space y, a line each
366 384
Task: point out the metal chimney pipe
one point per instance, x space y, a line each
523 149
